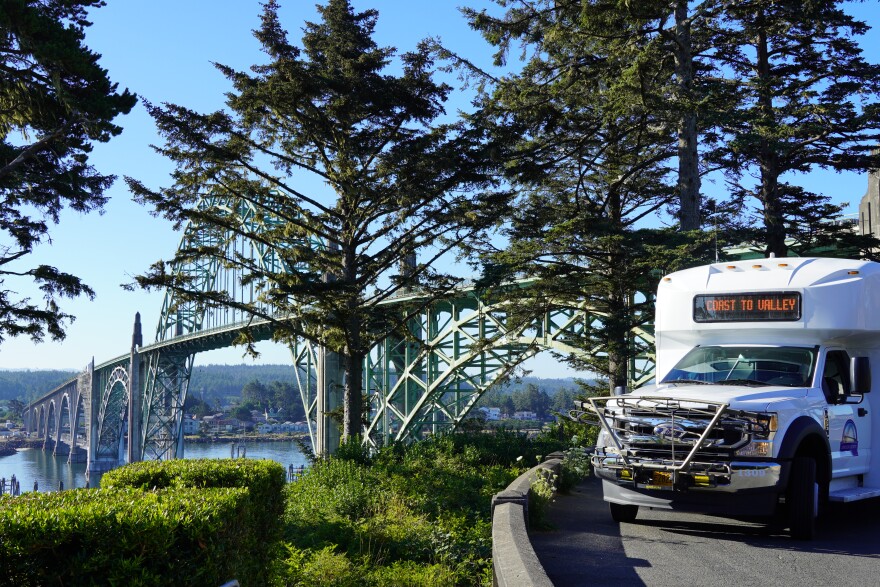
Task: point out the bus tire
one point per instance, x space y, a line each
803 499
623 512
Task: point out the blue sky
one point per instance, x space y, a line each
162 50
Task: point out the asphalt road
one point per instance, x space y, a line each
585 547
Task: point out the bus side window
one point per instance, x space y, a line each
835 376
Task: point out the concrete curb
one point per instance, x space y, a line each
514 561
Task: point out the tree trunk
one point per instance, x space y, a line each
354 354
688 155
768 193
617 370
353 389
617 327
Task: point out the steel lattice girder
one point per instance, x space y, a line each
429 381
168 370
114 386
305 362
167 380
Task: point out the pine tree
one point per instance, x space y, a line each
591 157
400 183
55 103
808 99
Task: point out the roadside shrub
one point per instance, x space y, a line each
128 537
410 574
304 568
543 488
323 507
405 515
265 481
575 467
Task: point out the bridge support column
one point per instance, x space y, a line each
135 396
94 408
329 399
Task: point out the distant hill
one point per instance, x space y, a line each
214 381
224 381
551 386
24 384
207 381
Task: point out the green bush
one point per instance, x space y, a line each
409 574
265 481
543 489
407 515
319 567
127 537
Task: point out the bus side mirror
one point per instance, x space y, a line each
860 374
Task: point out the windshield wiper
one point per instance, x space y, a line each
749 382
697 381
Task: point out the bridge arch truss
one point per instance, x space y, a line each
426 380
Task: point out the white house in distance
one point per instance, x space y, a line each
191 426
267 428
492 414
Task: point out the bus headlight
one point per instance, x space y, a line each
756 448
764 425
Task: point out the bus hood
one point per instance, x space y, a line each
742 397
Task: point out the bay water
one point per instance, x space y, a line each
50 473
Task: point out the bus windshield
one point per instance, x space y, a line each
746 365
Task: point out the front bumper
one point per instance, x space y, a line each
737 487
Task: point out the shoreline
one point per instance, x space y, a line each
300 436
11 446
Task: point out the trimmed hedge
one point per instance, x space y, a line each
179 522
264 479
126 537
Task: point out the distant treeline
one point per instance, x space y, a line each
218 381
26 385
226 381
210 381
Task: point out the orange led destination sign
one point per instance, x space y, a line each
748 307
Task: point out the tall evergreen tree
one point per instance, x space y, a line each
400 183
55 102
809 99
668 37
591 157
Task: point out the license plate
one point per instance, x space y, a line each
661 479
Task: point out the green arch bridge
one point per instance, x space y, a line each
130 408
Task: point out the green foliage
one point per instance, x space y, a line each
263 479
807 97
354 450
212 381
575 467
589 154
319 567
363 122
129 537
55 102
242 412
543 489
407 515
24 385
410 574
